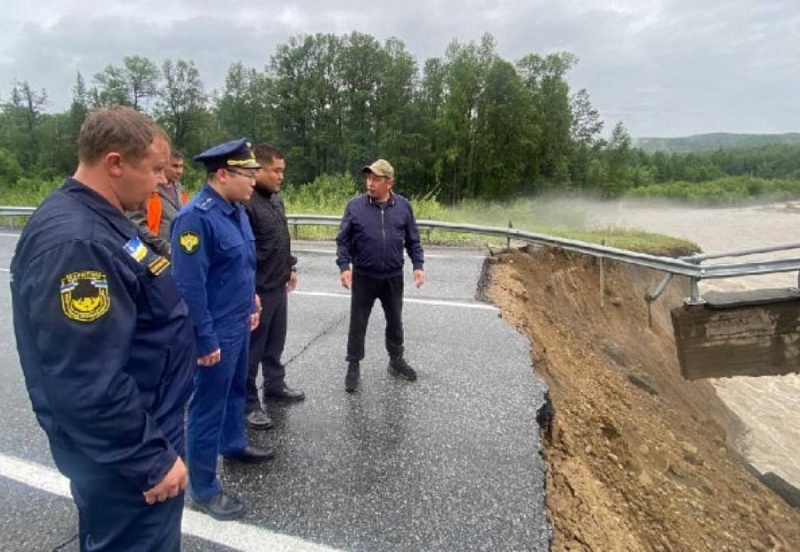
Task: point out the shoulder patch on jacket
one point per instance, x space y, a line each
189 240
84 295
136 249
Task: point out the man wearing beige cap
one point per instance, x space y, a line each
375 229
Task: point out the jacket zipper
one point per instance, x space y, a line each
383 235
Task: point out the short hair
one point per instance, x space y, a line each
175 154
266 154
120 129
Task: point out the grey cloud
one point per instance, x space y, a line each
667 67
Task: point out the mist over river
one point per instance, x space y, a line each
769 406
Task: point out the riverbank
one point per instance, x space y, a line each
639 459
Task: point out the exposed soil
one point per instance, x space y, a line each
639 458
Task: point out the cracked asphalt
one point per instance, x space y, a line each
450 462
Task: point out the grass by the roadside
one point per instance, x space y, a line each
328 195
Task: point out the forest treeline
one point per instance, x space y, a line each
467 125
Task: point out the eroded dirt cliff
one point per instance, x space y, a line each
639 458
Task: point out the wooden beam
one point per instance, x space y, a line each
753 333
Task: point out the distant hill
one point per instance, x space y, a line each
715 141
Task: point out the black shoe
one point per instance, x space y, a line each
252 455
258 419
285 393
353 373
222 507
400 368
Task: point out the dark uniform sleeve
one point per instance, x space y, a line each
343 239
80 302
139 218
413 245
192 248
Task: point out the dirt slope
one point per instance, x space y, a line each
639 458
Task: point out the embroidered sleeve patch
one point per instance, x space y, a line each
189 241
84 295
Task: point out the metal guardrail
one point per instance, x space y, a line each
690 267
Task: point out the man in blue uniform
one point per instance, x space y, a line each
105 341
375 228
213 255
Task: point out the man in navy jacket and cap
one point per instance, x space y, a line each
213 255
105 341
375 229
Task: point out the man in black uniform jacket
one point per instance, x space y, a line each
105 340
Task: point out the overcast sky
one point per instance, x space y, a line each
662 67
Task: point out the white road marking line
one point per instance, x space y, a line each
434 302
232 534
4 235
427 255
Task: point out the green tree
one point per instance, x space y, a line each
22 116
619 158
586 136
245 105
308 104
132 84
504 133
181 106
545 80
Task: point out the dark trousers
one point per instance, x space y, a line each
266 345
113 515
363 293
216 411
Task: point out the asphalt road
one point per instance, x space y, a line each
449 462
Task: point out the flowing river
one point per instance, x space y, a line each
769 406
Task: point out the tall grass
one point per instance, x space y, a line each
329 194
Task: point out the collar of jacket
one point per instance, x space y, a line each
264 192
391 200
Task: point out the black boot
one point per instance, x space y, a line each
353 373
398 367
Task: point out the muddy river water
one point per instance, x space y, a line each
769 406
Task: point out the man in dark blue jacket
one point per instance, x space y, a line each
375 229
105 341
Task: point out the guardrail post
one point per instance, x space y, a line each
296 231
602 279
694 293
508 238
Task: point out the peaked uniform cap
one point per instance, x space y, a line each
381 167
233 154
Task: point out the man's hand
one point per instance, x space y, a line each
173 484
210 359
255 317
419 278
291 285
346 278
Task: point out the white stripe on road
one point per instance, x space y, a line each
232 534
427 255
435 302
4 235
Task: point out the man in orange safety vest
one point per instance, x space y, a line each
162 206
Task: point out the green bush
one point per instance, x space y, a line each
723 191
326 195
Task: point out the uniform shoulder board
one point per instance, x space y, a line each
205 204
